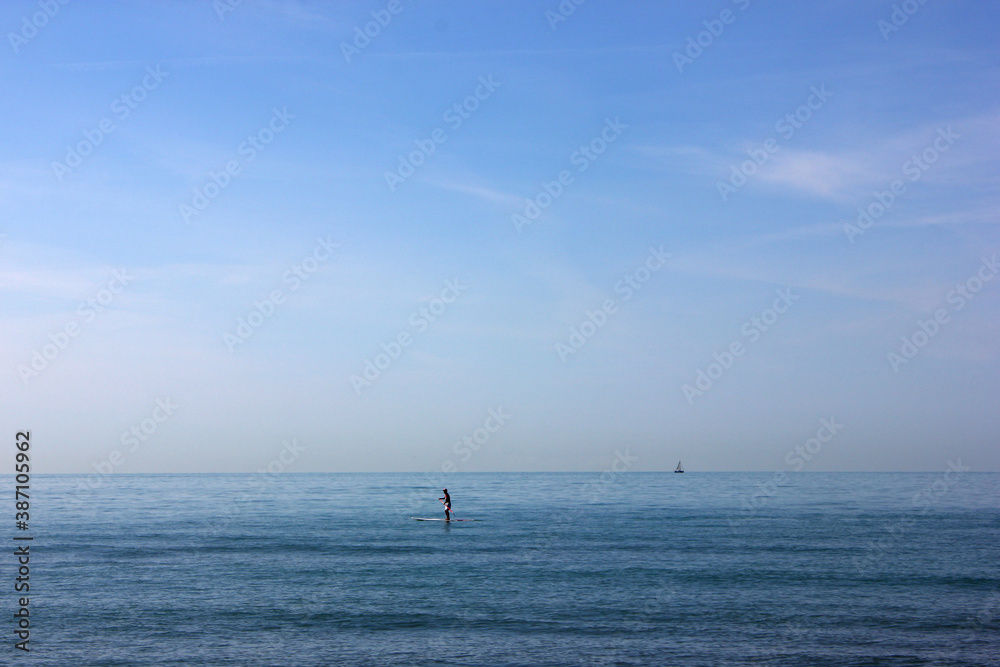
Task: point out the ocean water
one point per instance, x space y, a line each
560 569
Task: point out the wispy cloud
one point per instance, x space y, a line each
572 52
826 175
193 61
852 170
489 194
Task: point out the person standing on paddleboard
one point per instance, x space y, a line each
447 505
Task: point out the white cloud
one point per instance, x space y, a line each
821 174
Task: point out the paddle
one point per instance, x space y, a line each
446 505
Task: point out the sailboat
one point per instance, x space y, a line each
678 468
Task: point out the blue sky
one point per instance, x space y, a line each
915 107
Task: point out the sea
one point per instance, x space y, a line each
700 568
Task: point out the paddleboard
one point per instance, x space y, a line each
422 519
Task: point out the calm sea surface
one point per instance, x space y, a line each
562 569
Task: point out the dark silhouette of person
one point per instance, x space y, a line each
447 505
